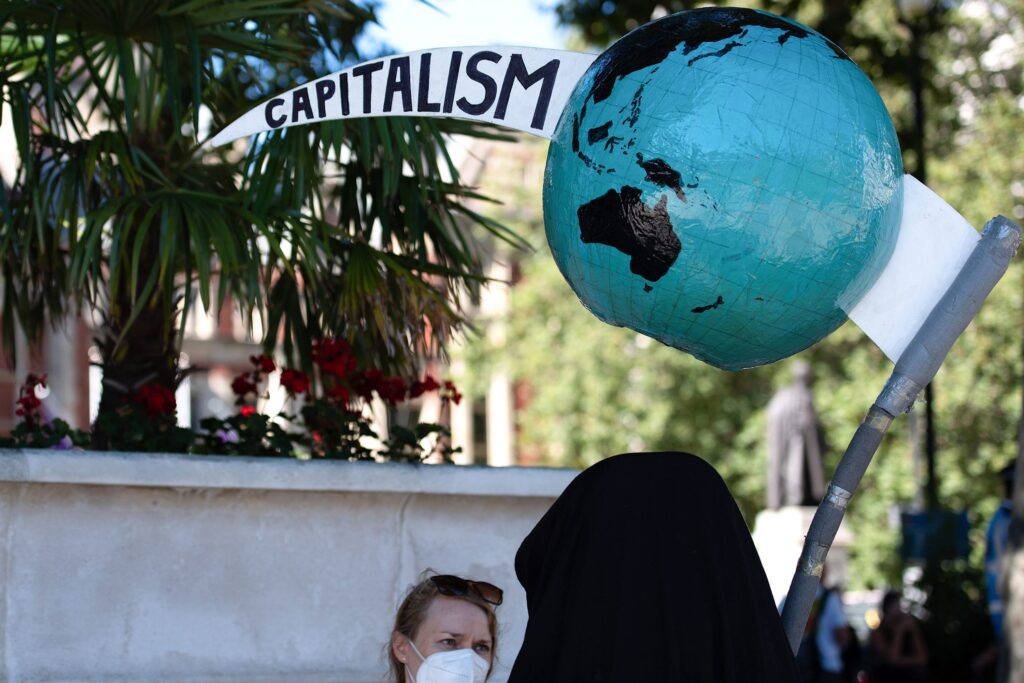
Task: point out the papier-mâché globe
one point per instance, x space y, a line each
726 181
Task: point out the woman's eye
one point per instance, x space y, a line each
447 642
482 648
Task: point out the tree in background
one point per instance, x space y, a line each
353 229
594 390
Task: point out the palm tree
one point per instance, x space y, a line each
354 229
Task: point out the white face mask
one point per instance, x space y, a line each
451 666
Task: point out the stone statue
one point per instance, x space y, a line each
795 444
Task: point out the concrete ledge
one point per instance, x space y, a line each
143 568
167 470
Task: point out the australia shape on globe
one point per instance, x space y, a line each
621 219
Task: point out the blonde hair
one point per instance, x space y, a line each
413 611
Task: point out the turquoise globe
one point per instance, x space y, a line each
725 181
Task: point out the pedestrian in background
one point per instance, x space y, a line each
899 650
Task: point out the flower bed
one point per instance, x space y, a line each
332 421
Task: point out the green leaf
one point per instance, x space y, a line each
129 84
51 62
142 240
195 65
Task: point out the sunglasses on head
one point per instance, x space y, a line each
456 586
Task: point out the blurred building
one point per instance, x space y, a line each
512 173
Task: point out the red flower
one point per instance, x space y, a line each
295 381
243 385
155 400
338 393
391 389
264 364
334 357
28 404
329 348
450 393
366 383
338 367
418 387
247 411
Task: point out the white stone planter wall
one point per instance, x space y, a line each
131 567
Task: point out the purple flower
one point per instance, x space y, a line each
229 436
63 445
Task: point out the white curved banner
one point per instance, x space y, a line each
515 87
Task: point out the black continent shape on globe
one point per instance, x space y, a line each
660 173
621 219
650 44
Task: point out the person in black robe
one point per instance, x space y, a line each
643 571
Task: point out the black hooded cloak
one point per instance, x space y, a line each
643 571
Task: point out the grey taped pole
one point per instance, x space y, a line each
915 369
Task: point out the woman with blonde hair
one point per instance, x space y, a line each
445 631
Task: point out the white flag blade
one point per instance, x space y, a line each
517 87
933 244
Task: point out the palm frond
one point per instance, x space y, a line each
355 228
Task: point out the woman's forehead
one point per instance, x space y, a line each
453 615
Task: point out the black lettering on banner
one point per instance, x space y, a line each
453 80
300 102
343 93
490 87
517 72
423 103
365 72
268 113
398 81
324 91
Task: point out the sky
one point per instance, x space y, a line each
412 25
